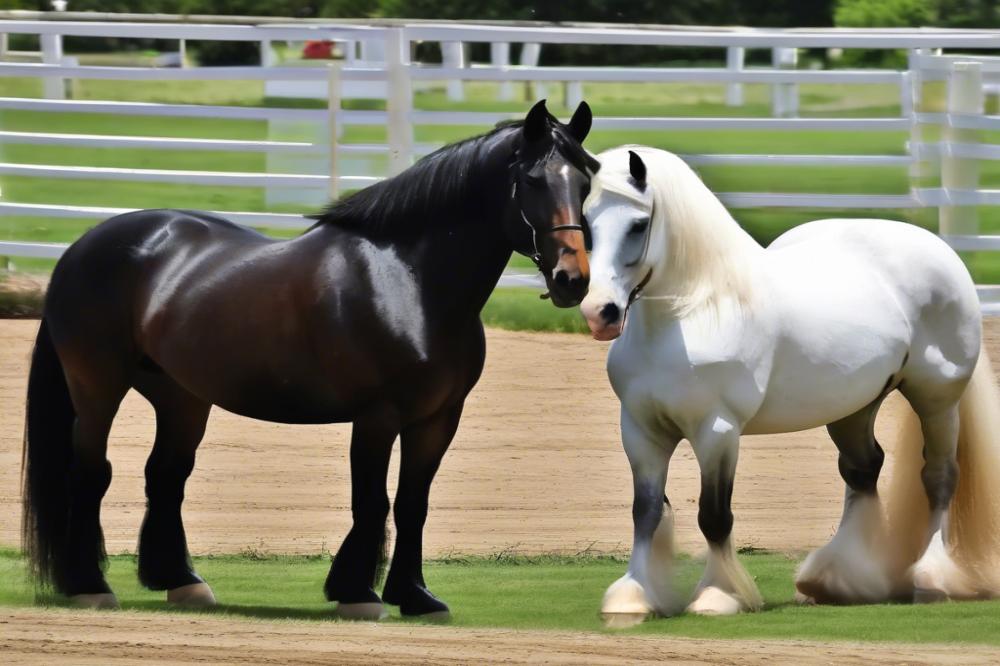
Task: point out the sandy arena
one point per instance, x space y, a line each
536 467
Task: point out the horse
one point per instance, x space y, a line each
371 316
715 337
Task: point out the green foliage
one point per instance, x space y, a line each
350 8
884 13
968 13
20 4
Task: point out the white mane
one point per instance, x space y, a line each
708 251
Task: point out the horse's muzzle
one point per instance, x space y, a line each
603 316
568 281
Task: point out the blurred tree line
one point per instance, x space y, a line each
768 13
761 13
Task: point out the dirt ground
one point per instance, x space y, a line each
26 637
536 467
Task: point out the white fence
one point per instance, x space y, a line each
956 152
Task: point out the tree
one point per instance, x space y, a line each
884 13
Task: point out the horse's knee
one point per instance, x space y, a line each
715 516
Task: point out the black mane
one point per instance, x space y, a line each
434 189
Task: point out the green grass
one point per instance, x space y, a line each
557 593
521 309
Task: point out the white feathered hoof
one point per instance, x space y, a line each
195 595
714 601
625 604
102 601
936 576
831 575
367 611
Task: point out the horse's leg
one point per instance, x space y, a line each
96 403
725 588
853 567
164 563
356 567
936 575
422 446
647 586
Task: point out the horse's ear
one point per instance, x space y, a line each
536 122
579 124
637 168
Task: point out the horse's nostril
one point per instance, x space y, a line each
610 313
562 278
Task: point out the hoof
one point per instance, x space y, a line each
625 604
815 592
437 617
937 577
922 595
416 601
100 601
368 611
828 576
713 601
626 595
804 599
195 595
623 620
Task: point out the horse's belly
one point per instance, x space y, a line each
805 392
814 402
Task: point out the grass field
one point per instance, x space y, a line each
545 593
508 310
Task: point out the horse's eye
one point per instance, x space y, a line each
535 180
638 227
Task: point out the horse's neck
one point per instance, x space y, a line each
464 263
461 256
716 262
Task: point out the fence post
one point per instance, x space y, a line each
784 96
912 97
735 56
453 57
574 94
268 58
400 101
52 53
965 97
530 54
334 91
500 57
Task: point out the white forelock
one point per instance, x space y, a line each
707 252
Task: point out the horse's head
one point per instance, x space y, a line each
620 214
551 178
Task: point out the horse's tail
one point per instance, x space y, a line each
45 466
974 513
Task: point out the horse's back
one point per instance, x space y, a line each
96 281
862 304
921 275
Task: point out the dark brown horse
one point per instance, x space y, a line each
371 316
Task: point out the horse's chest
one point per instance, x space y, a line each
684 384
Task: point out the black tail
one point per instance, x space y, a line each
47 457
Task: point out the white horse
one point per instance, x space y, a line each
721 337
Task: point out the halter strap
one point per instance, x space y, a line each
536 255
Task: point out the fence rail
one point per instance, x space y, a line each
379 55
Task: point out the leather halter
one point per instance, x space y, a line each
536 255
